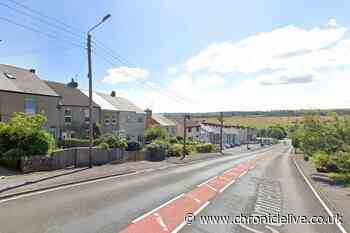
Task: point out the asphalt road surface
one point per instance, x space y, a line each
111 205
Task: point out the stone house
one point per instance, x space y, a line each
73 110
21 90
120 116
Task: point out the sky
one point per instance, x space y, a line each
189 55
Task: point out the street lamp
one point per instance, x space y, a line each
91 135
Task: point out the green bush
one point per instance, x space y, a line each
113 140
103 145
157 150
205 148
320 159
38 143
175 150
26 133
173 141
154 133
73 142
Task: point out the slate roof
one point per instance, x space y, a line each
122 104
162 120
70 96
14 79
103 103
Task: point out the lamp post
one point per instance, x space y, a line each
91 135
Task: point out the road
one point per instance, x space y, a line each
111 205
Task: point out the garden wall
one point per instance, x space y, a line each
76 157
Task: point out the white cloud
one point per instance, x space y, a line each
125 74
172 70
332 23
286 68
282 48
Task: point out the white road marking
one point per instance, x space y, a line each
242 174
161 222
64 187
207 181
194 198
212 188
179 227
250 229
154 210
226 186
339 225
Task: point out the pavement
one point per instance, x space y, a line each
110 205
13 183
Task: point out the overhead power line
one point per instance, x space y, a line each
49 35
75 32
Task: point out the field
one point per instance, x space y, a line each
251 121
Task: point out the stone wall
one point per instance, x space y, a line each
72 157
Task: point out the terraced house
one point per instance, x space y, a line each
21 90
120 116
73 110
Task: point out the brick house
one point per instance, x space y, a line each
21 90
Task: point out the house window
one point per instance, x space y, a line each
30 106
189 130
107 120
128 119
140 139
114 120
67 116
198 128
140 119
86 116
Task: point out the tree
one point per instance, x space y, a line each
154 133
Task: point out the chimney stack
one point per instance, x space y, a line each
113 94
32 71
148 117
72 84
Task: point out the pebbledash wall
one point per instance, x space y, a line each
77 157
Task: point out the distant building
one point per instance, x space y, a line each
231 134
161 121
193 128
21 90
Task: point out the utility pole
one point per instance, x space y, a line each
91 133
247 142
221 130
185 135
